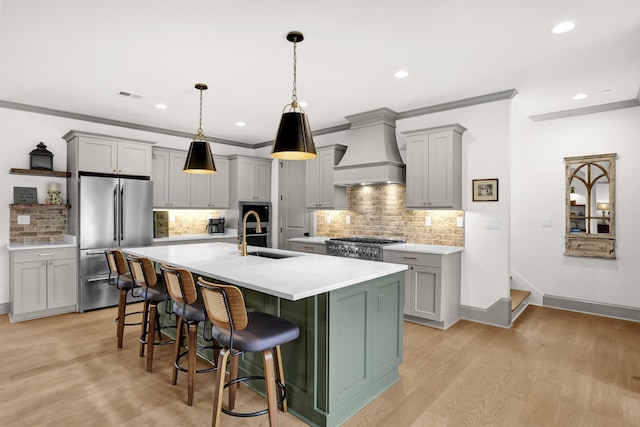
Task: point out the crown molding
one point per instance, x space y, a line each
630 103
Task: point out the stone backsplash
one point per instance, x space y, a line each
179 223
379 210
46 225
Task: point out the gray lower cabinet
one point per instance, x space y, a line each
314 248
432 287
43 282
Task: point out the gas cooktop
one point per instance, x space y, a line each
368 248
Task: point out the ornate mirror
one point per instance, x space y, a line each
590 200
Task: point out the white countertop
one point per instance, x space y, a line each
421 248
28 246
230 232
301 276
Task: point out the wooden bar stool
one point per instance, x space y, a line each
153 291
239 332
120 277
188 307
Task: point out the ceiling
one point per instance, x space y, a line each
78 55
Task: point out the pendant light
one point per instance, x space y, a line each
294 140
199 158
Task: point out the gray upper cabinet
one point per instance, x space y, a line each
211 191
434 167
321 193
171 186
109 155
249 179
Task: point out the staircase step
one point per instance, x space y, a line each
517 297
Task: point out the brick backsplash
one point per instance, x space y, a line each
179 223
46 225
379 210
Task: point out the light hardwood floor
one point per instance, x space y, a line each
553 368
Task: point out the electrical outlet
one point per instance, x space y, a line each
24 219
460 221
547 222
328 219
348 219
427 221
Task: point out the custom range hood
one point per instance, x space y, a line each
372 156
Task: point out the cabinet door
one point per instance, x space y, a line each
426 292
134 158
417 158
220 185
61 283
325 179
29 287
179 182
312 199
440 170
201 190
97 155
246 177
263 180
160 178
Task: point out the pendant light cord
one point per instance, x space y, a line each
294 95
200 126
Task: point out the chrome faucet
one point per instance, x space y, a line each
243 245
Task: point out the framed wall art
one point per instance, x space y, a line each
485 190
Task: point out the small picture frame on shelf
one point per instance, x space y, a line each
485 190
25 195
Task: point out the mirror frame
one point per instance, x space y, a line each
583 244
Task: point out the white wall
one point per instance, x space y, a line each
538 192
21 131
485 154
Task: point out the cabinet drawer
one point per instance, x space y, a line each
29 255
315 248
415 258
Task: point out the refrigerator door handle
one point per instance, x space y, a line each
115 214
122 213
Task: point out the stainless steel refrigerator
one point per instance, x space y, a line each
113 212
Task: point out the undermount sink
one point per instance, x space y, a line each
272 255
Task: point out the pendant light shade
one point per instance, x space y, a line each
294 140
199 158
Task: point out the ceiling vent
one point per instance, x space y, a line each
130 95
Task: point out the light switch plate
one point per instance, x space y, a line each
547 222
460 221
348 219
328 219
24 219
427 221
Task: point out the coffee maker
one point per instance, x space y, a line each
215 226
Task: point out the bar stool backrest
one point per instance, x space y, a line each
225 305
142 271
116 261
180 284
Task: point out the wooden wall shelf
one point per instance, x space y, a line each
16 205
39 172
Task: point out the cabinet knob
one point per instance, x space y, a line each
424 203
410 268
114 171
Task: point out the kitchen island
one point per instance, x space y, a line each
349 313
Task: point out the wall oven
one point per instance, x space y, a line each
263 209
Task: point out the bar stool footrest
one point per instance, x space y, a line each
115 321
198 371
256 413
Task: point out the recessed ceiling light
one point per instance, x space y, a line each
161 106
563 27
579 96
241 124
400 74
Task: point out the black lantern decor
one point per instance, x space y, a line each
41 158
